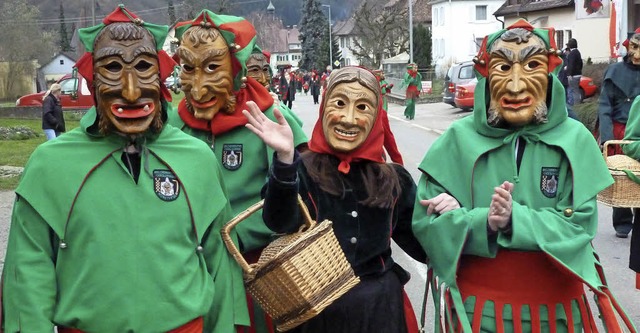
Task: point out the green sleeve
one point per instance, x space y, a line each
419 81
29 290
445 237
229 306
533 228
632 131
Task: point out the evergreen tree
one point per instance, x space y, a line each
324 51
171 12
65 43
422 46
313 33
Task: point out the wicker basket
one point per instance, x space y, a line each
297 275
624 192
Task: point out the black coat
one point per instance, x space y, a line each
364 233
574 63
52 117
287 89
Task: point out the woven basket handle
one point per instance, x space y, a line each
226 230
613 142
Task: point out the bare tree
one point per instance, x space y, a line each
23 45
268 27
381 31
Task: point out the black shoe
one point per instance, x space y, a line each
621 234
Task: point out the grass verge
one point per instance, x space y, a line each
17 152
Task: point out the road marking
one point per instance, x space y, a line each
428 129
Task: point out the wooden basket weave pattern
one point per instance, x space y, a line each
296 281
624 192
298 275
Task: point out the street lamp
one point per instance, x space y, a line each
410 31
330 40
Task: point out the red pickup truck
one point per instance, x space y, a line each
74 96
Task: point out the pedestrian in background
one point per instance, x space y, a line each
52 118
562 76
619 88
573 70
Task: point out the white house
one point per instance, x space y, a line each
458 27
591 34
58 66
289 50
343 33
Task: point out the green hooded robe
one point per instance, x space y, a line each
471 158
129 262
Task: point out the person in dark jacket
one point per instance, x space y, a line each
288 87
343 178
619 89
573 70
314 84
562 76
52 118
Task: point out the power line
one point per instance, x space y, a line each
83 19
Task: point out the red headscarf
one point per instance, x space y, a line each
371 149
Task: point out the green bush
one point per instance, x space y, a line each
17 133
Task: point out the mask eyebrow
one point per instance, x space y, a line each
504 53
146 49
186 55
107 52
531 51
215 53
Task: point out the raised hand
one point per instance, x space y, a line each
500 207
440 204
278 135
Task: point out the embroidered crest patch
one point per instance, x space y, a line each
166 185
549 181
232 156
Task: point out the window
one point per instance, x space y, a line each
466 72
348 62
435 17
560 39
341 41
481 13
348 42
61 61
441 15
478 43
68 86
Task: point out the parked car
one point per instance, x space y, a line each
458 74
464 95
587 87
75 94
465 91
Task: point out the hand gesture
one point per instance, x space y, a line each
440 204
278 135
500 207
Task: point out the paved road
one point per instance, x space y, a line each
414 138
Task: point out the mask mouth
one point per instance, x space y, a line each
515 103
346 134
131 111
204 105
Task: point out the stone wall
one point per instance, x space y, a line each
26 112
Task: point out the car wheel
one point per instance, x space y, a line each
581 95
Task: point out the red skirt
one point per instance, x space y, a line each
519 278
194 326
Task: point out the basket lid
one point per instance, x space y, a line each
623 162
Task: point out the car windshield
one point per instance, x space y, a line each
466 72
68 86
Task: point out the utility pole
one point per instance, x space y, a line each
410 31
330 39
93 11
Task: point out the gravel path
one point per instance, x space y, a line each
6 204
